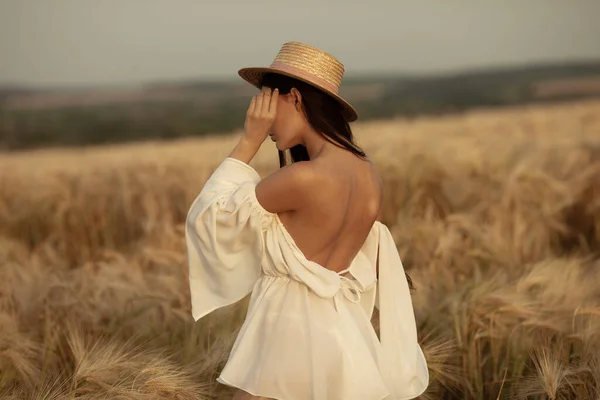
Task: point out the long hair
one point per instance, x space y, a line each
324 114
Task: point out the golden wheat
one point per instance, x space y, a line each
496 214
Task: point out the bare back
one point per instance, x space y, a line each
332 227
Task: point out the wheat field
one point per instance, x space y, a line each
496 214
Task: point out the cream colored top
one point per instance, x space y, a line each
307 333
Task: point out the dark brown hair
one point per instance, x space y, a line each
324 114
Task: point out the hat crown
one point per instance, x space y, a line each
312 61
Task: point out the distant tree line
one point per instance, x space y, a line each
90 125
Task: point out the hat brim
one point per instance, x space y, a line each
254 75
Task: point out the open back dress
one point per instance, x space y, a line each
307 334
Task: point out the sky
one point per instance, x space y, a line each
49 43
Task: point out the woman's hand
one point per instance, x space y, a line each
260 116
259 119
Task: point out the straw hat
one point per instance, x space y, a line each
308 64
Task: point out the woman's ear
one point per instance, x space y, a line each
297 97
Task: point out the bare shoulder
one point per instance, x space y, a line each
303 175
375 172
378 188
287 188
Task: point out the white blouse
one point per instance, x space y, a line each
307 333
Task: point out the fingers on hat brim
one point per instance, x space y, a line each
254 77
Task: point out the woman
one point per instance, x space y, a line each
307 243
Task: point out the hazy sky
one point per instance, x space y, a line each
72 42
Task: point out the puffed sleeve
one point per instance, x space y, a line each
224 239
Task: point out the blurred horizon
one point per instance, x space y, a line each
349 76
79 44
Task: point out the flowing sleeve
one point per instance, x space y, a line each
408 373
224 239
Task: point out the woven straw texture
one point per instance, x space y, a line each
313 66
312 60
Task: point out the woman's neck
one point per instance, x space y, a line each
315 144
